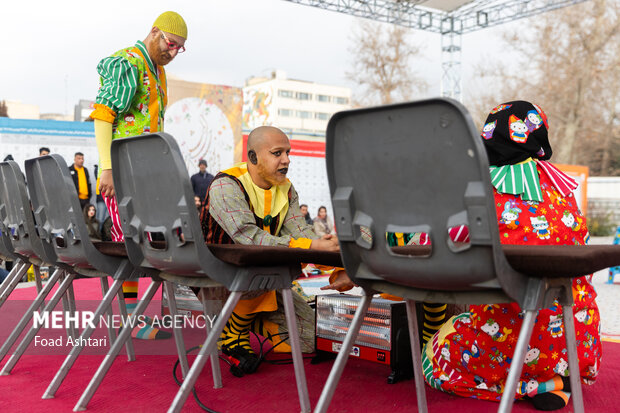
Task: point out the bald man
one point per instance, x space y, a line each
254 203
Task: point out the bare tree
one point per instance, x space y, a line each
4 111
382 63
567 62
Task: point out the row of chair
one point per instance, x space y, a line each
47 228
394 148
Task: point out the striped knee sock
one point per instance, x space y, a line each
552 400
434 317
143 331
551 395
237 332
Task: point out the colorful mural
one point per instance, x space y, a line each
206 122
256 107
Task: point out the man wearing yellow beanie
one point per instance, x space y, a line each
131 101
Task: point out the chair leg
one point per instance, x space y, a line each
34 306
115 349
334 375
37 278
207 349
414 338
131 354
215 354
298 361
75 332
514 374
67 306
178 334
75 351
23 345
9 284
573 359
105 287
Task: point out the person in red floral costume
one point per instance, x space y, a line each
471 354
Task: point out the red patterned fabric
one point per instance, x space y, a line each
116 230
471 354
562 182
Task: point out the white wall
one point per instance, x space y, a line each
23 138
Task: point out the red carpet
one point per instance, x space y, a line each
146 385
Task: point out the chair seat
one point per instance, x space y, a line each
546 261
115 249
247 255
550 261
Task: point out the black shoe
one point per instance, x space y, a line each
243 361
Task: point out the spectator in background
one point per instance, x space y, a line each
81 179
102 209
323 225
304 211
44 151
201 181
91 222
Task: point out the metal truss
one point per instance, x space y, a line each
470 16
451 65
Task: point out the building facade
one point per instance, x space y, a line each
301 108
19 110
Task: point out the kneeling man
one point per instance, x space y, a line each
254 203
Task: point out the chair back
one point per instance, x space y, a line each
59 216
7 253
160 220
17 216
416 168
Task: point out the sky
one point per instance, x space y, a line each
51 48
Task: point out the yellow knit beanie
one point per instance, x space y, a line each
171 22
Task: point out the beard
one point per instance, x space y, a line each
273 178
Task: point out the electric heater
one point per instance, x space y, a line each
383 337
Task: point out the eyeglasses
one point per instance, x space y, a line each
172 45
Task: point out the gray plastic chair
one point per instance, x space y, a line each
58 238
16 228
7 253
18 223
155 196
421 167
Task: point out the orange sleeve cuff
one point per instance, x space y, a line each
300 243
334 274
104 113
391 297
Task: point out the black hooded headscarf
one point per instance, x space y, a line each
515 131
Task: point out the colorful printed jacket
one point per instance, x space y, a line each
133 92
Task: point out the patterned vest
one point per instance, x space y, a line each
214 233
148 105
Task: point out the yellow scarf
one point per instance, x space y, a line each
264 202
